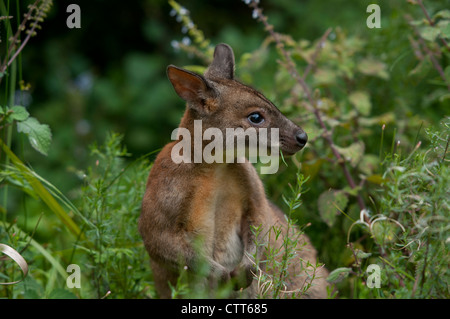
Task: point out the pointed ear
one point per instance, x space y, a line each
222 65
191 87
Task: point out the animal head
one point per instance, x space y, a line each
220 101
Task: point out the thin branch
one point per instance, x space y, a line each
314 56
430 54
20 48
14 40
35 14
431 22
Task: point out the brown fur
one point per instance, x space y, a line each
215 204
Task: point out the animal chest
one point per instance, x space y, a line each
216 218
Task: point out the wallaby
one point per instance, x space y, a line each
204 212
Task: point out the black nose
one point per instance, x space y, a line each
301 138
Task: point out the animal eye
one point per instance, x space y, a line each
255 118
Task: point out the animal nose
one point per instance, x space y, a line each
301 138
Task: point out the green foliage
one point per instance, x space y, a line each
111 204
38 134
272 272
415 196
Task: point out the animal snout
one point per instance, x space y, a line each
301 138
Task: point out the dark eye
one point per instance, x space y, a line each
255 118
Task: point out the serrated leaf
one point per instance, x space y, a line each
19 113
445 29
324 77
417 22
352 153
429 33
362 255
442 14
329 202
361 101
352 191
373 67
38 134
338 274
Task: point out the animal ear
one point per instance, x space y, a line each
191 87
222 65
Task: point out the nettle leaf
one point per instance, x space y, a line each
361 101
338 274
429 33
330 202
19 113
352 153
39 135
325 77
370 66
442 14
444 28
362 255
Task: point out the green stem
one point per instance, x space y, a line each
42 192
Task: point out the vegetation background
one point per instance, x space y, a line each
86 111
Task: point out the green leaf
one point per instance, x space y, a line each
19 113
352 153
444 27
429 33
330 202
38 134
376 179
369 164
370 66
352 191
417 22
324 77
338 274
61 293
361 101
362 255
442 14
